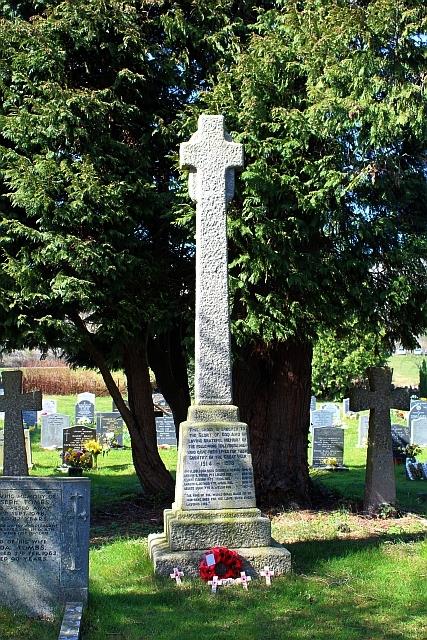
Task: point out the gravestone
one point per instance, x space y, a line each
322 418
215 494
346 407
328 442
12 403
363 431
313 403
51 432
107 425
85 408
165 430
75 437
27 448
418 410
48 406
334 409
29 418
380 483
114 407
419 432
44 543
159 400
414 400
400 436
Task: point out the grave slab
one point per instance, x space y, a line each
44 542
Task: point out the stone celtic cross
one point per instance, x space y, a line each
211 156
380 485
13 402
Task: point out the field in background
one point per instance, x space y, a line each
62 381
405 370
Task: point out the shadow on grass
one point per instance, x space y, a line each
307 555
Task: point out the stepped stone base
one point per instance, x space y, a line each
188 530
255 558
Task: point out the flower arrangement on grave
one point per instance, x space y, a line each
330 462
221 562
94 448
411 451
78 459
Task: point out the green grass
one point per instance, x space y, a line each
352 578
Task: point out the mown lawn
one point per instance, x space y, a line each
353 578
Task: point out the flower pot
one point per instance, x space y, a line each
75 472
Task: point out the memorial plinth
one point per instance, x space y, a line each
215 499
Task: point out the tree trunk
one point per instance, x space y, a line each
149 466
272 388
167 360
139 418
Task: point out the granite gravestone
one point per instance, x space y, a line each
51 432
215 495
346 407
334 409
44 543
165 430
419 432
363 431
380 483
29 418
48 406
85 409
12 403
75 437
418 410
109 427
399 436
328 442
322 418
27 448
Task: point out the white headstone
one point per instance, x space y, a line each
419 432
346 406
51 432
363 431
90 397
211 156
48 406
334 409
322 418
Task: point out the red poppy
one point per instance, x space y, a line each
228 564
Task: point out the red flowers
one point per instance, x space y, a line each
228 564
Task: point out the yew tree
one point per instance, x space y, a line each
329 230
90 101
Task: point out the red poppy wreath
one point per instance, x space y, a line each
228 564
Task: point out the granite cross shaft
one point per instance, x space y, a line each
380 484
13 402
211 156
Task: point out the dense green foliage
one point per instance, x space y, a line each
338 361
330 104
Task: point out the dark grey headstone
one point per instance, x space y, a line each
328 442
399 435
166 433
29 418
114 407
44 542
108 423
75 437
85 410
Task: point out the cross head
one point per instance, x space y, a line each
177 575
267 573
12 403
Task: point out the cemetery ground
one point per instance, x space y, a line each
352 577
